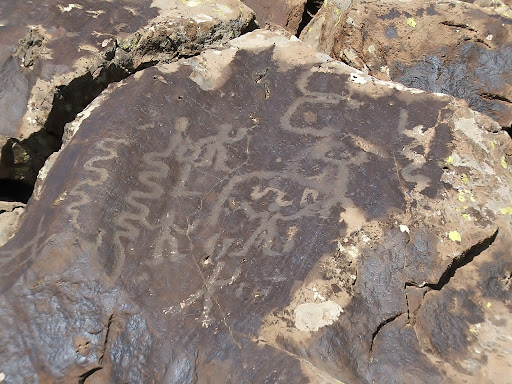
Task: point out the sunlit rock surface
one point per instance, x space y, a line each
258 214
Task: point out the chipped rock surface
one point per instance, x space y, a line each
262 213
452 47
56 57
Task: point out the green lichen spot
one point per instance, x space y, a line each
411 22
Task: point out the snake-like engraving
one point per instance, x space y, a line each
98 177
129 222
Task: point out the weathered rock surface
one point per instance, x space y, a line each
286 13
440 46
261 214
55 57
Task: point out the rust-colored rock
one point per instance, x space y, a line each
440 46
258 214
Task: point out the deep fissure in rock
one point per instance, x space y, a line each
464 259
494 96
107 334
310 9
87 374
381 325
450 23
15 190
68 101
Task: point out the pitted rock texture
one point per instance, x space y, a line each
238 194
56 57
440 46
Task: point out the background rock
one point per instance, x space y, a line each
234 187
450 47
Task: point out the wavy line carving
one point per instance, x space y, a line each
101 176
128 223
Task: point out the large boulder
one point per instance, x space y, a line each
56 57
262 213
440 46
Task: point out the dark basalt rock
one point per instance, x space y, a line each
456 48
261 214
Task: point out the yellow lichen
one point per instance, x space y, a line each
504 162
506 211
455 236
411 22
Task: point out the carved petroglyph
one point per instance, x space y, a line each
99 176
140 211
312 98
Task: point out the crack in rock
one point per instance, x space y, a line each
107 334
380 326
465 258
495 96
458 25
86 375
310 10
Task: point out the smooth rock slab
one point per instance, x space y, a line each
451 47
199 204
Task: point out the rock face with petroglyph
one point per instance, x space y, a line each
56 57
452 47
263 213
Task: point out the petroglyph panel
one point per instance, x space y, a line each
205 214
